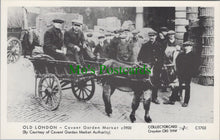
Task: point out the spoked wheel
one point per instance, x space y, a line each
49 92
84 90
14 50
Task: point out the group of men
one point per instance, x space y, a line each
73 40
161 49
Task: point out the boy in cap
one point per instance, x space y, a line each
187 65
152 54
75 42
101 50
53 41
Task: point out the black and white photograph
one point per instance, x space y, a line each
110 64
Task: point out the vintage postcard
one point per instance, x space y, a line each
110 70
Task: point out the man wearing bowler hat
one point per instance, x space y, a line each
152 54
75 42
53 41
187 64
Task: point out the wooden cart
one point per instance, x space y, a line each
53 76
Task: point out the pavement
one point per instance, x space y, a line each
23 107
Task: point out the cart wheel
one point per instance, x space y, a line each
83 91
49 92
14 50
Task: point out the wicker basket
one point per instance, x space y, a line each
208 41
206 21
207 50
207 60
206 12
206 80
207 31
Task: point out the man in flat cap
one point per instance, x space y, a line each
101 50
137 45
75 42
89 42
108 38
53 41
162 35
152 54
171 49
125 48
90 46
187 64
113 44
186 34
171 40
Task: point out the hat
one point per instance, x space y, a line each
163 29
187 43
170 32
77 22
135 31
89 35
101 36
101 29
151 33
132 23
126 29
58 21
108 34
116 31
122 36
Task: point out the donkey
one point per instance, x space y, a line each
140 84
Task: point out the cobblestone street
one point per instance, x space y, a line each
22 106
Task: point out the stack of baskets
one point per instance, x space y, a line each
206 24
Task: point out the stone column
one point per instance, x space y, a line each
180 23
139 17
